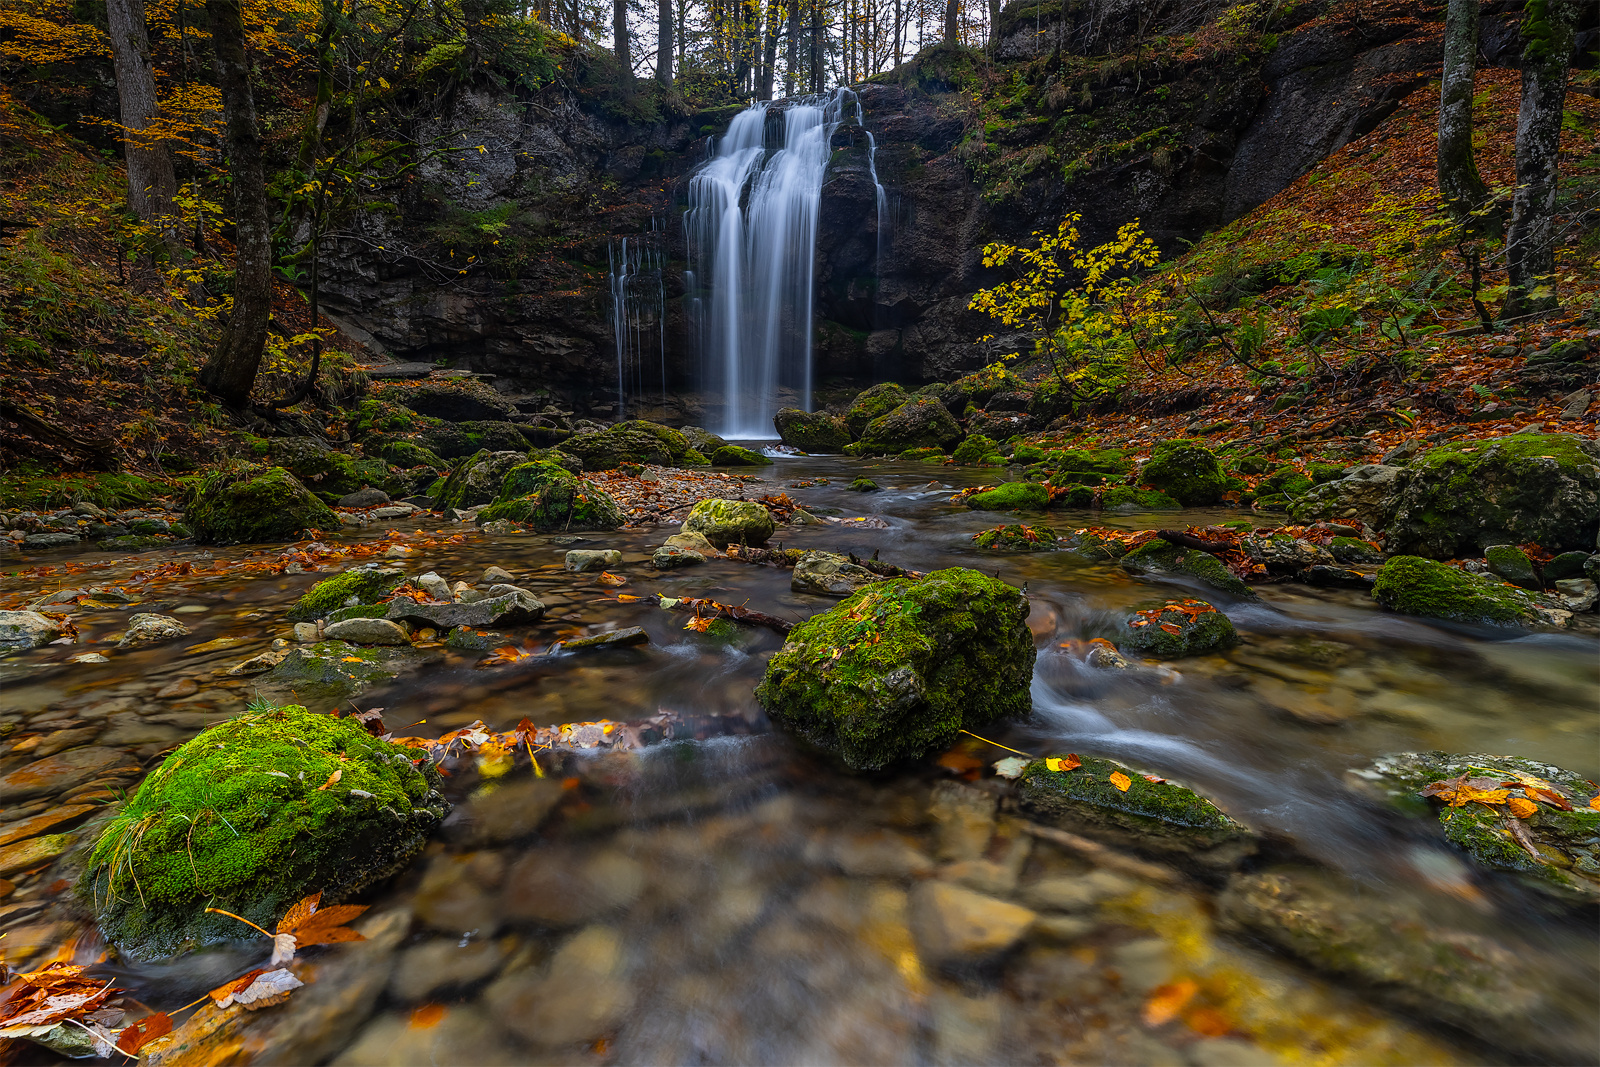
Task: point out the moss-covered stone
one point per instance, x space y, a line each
1354 550
237 819
494 435
898 669
978 451
1512 564
1287 480
545 496
811 431
674 441
730 522
358 585
701 440
862 485
255 503
1565 854
1159 817
921 422
604 450
923 455
1127 498
469 639
1164 559
332 671
1187 471
1463 496
1416 586
1173 629
475 480
331 473
1012 496
1088 466
871 404
408 455
1017 538
739 456
694 458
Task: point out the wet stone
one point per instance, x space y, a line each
583 994
953 925
181 687
583 560
631 635
557 888
425 969
367 632
148 629
32 852
58 773
463 1034
505 814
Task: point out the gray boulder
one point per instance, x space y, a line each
1368 493
21 630
148 629
829 574
504 606
361 631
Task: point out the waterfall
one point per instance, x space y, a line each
638 315
751 229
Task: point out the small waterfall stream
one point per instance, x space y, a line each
638 316
752 233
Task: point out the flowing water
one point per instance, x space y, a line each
638 318
735 899
752 233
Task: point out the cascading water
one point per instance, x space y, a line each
638 316
752 235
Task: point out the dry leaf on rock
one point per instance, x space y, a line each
1120 780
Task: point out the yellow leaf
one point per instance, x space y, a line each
1522 809
1595 803
1121 781
1063 763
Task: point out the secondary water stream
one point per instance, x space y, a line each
735 899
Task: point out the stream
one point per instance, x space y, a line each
737 900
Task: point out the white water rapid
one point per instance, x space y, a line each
751 229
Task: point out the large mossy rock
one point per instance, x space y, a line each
476 480
1426 955
358 585
547 497
919 423
330 473
701 440
978 451
1087 466
1412 585
627 442
739 456
1017 537
332 671
730 522
1187 472
1164 559
1461 497
1150 815
829 574
238 819
1012 496
1367 494
255 503
1173 629
410 454
900 668
1562 852
811 431
873 403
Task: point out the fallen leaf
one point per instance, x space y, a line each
1521 808
1120 780
266 989
310 925
332 779
1167 1001
139 1034
607 578
1152 778
1069 762
961 762
1208 1022
426 1016
1595 803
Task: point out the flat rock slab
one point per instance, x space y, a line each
17 831
56 774
505 609
32 852
956 925
633 635
401 370
367 632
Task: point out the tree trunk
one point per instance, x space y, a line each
619 38
664 42
231 370
152 182
792 61
769 61
1530 243
952 21
1460 186
816 46
994 24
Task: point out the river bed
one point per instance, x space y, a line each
736 899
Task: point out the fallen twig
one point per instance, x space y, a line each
706 608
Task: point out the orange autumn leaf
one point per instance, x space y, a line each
1595 803
238 985
332 780
960 762
607 578
426 1016
1120 780
1069 762
1208 1022
137 1035
1521 808
1168 1000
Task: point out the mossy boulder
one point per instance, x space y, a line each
1156 817
1512 564
919 423
408 455
1187 471
701 440
1163 559
331 671
545 496
331 473
1287 480
494 435
1562 852
1354 550
1128 498
829 574
871 404
900 668
1280 553
1017 538
475 480
1012 496
978 451
730 522
238 818
923 455
675 441
1088 466
1463 496
1173 629
364 585
1412 585
1367 494
627 442
811 431
739 456
863 485
255 503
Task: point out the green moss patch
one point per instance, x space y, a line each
1017 538
873 403
738 456
546 496
730 522
1176 628
255 503
1012 496
1416 586
978 451
898 669
1162 558
1187 471
238 819
363 585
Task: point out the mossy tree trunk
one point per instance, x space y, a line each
952 21
619 40
231 370
1547 29
152 181
1460 185
664 42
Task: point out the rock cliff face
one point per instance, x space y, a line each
498 260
